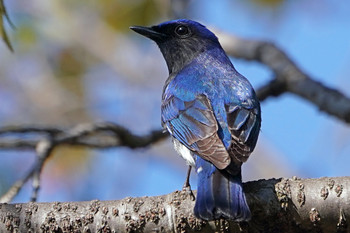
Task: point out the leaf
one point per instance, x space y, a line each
4 15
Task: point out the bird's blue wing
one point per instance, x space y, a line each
193 123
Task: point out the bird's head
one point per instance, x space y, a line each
180 41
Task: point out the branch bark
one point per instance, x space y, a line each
277 205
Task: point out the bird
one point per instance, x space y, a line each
212 113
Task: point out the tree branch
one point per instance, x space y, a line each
287 75
284 205
100 135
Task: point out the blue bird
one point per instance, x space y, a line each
211 112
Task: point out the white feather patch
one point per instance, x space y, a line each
185 153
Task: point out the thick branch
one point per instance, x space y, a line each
288 75
287 205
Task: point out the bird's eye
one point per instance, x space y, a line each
182 31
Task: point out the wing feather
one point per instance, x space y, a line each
193 123
244 125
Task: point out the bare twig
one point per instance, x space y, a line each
99 135
30 129
43 150
16 187
92 135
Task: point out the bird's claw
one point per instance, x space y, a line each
187 189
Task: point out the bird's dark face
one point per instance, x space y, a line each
180 41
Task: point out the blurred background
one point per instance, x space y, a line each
77 62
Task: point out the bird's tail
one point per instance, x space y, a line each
219 195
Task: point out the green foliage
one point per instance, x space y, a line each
3 16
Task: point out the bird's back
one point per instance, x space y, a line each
213 75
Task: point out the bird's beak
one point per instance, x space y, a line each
148 32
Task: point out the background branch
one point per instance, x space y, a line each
99 135
95 135
288 76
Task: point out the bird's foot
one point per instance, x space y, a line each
187 189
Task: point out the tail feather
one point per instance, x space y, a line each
219 195
204 203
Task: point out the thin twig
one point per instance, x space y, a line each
30 129
43 150
98 135
16 187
